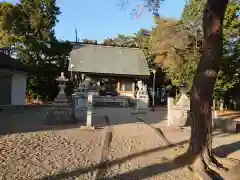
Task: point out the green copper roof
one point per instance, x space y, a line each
108 60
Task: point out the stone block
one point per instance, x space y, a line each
218 122
238 127
80 114
59 116
142 103
227 125
179 117
230 126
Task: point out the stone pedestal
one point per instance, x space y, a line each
80 105
80 102
142 98
177 114
142 103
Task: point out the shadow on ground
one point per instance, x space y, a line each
227 149
144 172
32 119
107 164
128 115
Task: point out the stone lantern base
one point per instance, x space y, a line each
60 115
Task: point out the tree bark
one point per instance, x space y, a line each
202 89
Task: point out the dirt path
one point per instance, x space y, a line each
136 150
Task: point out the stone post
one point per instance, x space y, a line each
170 115
133 87
214 104
221 105
89 111
234 105
98 88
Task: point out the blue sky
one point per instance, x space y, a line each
99 19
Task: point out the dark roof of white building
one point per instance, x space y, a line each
8 62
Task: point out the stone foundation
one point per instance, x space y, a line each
60 116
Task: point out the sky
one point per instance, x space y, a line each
99 19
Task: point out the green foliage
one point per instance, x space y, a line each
193 11
53 61
228 77
178 46
27 30
139 40
176 50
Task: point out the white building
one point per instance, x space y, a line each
13 76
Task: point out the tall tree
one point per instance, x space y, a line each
175 50
192 16
139 40
200 146
28 28
199 153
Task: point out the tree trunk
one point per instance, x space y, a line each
202 89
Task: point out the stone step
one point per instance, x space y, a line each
56 100
61 97
61 104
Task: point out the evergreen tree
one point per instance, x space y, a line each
28 33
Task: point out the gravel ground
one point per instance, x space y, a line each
136 151
36 155
32 153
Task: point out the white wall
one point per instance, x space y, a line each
18 88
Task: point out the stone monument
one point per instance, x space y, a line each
178 114
60 111
142 96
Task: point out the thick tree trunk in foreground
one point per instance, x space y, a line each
201 93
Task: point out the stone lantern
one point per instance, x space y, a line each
60 111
